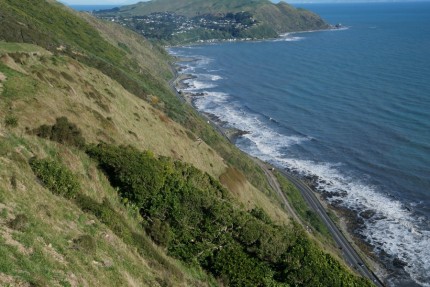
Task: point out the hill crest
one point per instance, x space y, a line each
184 21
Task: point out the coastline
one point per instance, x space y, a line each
236 40
178 85
346 221
323 116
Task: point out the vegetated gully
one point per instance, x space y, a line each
350 255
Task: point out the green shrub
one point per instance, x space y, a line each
124 47
239 269
261 214
117 223
44 131
56 177
107 215
63 132
13 181
2 195
159 232
191 214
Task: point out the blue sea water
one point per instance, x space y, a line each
351 106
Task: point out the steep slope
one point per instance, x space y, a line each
62 32
66 219
104 111
38 88
66 224
47 240
59 30
285 18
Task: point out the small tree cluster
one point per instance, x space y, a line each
63 132
191 214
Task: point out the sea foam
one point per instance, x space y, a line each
289 39
392 228
196 85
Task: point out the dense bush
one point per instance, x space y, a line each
115 221
56 177
59 180
63 132
191 214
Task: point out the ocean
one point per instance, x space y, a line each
348 107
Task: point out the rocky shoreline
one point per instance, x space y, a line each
180 86
351 222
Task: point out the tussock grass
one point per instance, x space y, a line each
142 71
129 120
251 197
70 99
49 240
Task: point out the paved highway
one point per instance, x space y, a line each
351 256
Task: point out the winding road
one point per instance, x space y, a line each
350 255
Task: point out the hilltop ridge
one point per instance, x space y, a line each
197 20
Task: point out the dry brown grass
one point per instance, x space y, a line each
124 119
87 101
54 223
234 180
105 111
7 280
251 197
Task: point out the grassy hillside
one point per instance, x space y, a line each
48 240
59 30
191 8
103 181
135 65
39 87
224 19
279 17
117 209
285 18
105 111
